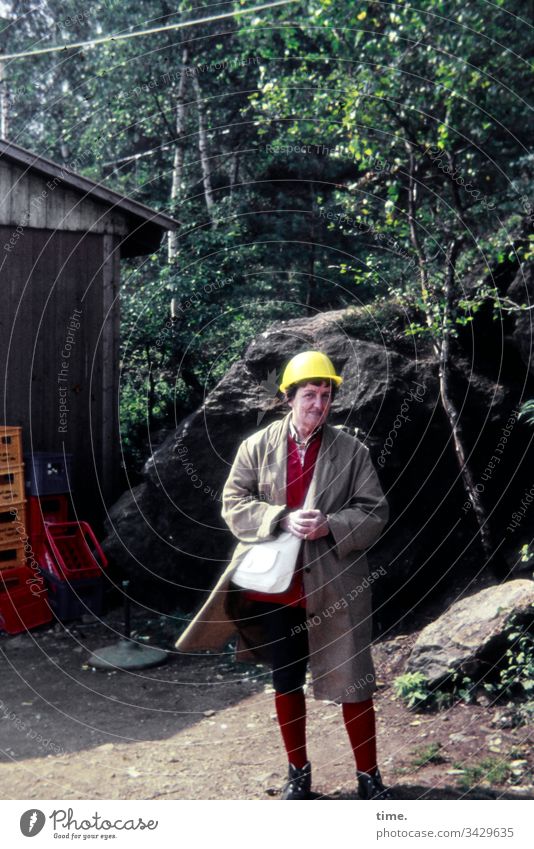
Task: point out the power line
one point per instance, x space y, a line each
61 48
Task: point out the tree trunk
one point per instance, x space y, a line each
441 348
179 152
234 171
151 395
4 103
203 148
412 222
450 407
310 289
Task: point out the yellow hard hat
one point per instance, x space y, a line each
311 365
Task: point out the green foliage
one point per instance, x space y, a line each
526 553
524 713
515 677
490 770
425 755
413 689
368 90
461 687
527 412
385 321
511 678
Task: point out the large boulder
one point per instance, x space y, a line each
471 631
167 534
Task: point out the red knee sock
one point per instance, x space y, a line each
360 724
291 713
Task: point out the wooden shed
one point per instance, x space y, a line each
61 240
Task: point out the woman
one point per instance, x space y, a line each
324 618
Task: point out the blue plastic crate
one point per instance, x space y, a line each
71 599
47 473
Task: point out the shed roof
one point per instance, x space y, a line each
146 226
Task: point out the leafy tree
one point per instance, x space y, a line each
318 155
432 114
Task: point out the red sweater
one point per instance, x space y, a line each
298 480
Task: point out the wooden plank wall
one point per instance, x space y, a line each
44 279
112 478
26 197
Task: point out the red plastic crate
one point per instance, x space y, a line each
41 509
20 608
46 508
73 551
13 579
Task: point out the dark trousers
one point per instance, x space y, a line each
287 635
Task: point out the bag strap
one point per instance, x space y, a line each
308 500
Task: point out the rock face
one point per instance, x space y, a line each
167 534
470 631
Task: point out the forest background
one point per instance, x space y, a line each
318 155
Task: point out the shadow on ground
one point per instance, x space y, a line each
402 792
53 702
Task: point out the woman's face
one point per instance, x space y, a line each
311 406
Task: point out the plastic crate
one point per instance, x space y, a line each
71 599
41 509
10 525
46 508
76 552
48 473
20 607
12 555
12 485
10 446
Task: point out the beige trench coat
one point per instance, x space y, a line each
345 487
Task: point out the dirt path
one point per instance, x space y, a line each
204 728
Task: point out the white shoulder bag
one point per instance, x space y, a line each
268 567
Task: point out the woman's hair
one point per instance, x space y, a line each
292 390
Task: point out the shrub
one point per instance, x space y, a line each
425 755
413 688
511 678
517 675
489 770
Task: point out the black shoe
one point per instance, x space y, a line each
371 787
299 784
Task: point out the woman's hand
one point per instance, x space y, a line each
306 524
